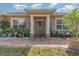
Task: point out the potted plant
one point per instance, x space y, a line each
9 32
26 32
22 32
72 23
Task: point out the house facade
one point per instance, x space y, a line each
39 21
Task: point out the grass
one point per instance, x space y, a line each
36 51
13 51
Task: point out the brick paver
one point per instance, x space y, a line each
34 41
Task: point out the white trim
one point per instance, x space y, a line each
56 22
15 19
39 15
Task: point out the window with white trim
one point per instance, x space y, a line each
59 24
18 23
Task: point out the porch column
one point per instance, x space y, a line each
11 24
31 26
48 26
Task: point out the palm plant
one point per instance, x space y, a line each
72 21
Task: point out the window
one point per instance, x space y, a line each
59 24
18 23
15 23
21 23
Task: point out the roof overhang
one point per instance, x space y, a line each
60 13
15 14
36 12
40 11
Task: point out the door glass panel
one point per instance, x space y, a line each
40 23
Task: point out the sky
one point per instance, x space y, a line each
19 7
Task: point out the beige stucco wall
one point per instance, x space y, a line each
27 18
53 22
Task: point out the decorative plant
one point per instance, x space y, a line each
23 31
4 24
72 21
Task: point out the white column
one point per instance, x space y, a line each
48 25
11 24
31 26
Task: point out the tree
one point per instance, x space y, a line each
4 24
71 21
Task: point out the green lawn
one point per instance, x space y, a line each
13 51
35 51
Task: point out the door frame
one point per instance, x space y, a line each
43 27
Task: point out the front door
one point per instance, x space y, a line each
40 28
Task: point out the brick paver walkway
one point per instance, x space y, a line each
34 41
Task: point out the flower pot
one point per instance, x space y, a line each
3 35
73 45
9 35
20 34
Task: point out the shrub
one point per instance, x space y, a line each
61 33
46 51
9 30
24 31
4 24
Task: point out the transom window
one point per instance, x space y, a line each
18 22
59 24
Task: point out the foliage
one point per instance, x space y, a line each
13 51
4 24
23 31
47 51
72 21
72 53
9 30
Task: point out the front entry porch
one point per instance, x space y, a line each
39 26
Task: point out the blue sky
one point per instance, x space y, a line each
19 7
